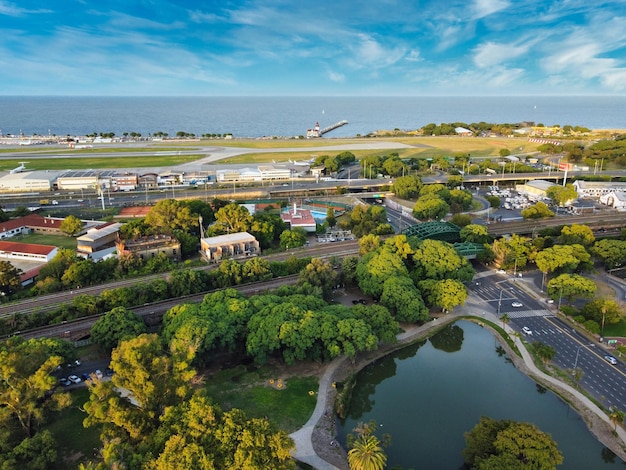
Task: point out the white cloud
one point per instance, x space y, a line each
9 9
490 54
336 76
482 8
413 56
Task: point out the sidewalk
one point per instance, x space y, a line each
303 437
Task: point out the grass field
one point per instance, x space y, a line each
74 440
87 162
421 147
45 239
289 406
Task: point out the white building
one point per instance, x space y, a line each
615 199
233 245
28 181
596 189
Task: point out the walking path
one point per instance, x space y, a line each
303 438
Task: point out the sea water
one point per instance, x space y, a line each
292 116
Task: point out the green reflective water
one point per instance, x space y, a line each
428 395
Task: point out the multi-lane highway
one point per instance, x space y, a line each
604 381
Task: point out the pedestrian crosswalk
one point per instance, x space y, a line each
527 313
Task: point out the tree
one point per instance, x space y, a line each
322 274
562 195
232 218
570 286
508 444
612 252
436 259
169 215
26 382
115 326
474 233
407 187
330 217
445 293
9 278
153 380
617 417
292 238
545 352
430 207
368 244
366 450
71 225
537 211
577 234
401 296
374 268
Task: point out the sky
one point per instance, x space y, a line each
317 48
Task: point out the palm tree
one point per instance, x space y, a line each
505 319
367 454
617 417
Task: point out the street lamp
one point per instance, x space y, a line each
499 302
576 360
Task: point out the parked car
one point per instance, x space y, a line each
74 379
611 360
527 331
84 376
63 381
98 373
517 304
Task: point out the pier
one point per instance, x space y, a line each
333 127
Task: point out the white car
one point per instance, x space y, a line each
527 331
611 359
74 379
517 304
500 271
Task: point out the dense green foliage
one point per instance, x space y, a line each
508 444
26 382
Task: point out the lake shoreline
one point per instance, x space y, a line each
325 432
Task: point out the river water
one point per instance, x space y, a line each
426 396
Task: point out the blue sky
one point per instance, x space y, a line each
317 48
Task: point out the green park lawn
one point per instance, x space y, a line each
44 239
75 442
289 406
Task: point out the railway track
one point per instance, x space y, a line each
152 313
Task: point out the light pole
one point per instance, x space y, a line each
576 360
560 297
499 302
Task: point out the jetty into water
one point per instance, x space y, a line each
317 132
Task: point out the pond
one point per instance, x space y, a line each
426 396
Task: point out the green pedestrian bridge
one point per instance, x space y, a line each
446 232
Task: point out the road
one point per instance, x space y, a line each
605 382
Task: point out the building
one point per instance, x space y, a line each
597 189
97 239
27 252
124 181
28 181
615 199
233 245
148 247
463 132
274 172
301 218
78 179
536 189
30 223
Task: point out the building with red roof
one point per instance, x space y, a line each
27 251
